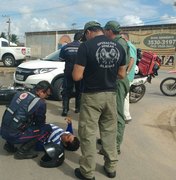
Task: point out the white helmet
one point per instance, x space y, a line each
136 69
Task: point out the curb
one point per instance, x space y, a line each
173 123
7 70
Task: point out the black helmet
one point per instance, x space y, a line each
54 155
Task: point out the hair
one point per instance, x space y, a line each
72 146
114 32
43 85
95 28
78 36
92 28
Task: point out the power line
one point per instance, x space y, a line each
9 22
47 9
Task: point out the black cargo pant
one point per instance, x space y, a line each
71 89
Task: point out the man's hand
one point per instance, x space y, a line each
68 120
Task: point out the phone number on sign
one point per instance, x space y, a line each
161 40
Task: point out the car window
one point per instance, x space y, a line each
4 44
53 56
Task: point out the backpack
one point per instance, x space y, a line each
149 64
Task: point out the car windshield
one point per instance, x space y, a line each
53 56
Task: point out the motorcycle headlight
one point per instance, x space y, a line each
43 70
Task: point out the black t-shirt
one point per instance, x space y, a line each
68 54
101 58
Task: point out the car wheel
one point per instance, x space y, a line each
8 61
58 88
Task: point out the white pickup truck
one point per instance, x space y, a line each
12 56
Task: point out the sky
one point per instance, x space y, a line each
55 15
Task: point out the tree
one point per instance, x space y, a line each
14 38
3 35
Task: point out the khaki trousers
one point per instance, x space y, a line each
98 110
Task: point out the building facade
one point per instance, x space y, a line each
160 39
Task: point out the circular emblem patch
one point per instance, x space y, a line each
23 95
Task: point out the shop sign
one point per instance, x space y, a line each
160 41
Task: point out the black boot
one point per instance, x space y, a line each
77 104
10 148
25 151
65 106
64 112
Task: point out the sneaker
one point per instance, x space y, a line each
10 148
25 154
127 121
109 174
79 175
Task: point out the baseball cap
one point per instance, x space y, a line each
112 25
89 25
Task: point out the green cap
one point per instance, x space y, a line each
112 25
91 24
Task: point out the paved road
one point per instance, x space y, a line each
149 146
148 150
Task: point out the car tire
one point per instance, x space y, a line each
57 90
8 61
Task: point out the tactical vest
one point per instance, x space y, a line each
17 116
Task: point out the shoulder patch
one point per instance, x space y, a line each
23 96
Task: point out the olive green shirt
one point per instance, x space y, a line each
125 46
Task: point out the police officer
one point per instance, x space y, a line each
68 54
24 120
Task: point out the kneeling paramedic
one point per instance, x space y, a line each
24 121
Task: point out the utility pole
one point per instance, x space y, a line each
8 32
73 25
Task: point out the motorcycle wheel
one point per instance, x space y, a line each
168 86
136 93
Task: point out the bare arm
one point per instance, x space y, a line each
121 72
77 73
130 64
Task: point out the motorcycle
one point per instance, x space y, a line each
7 93
168 85
138 88
147 68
